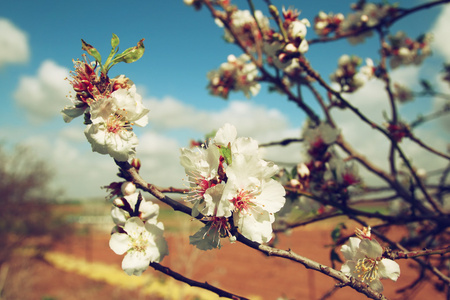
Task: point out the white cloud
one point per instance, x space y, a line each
14 44
440 30
251 120
42 96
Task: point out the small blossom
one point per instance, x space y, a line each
247 28
208 237
237 74
347 75
319 138
404 51
325 24
112 120
365 15
364 262
142 242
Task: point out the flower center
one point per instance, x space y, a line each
243 200
367 269
116 123
139 243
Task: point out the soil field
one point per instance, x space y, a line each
235 268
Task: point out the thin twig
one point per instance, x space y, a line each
204 285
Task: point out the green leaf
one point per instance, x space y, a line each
114 41
226 153
91 51
131 54
114 49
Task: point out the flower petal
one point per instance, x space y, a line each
388 268
134 263
371 248
119 243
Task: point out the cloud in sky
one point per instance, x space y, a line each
251 120
14 46
440 30
42 95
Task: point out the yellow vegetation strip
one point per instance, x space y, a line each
149 284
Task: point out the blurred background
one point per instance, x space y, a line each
54 220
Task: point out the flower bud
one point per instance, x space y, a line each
136 163
297 29
128 188
118 202
302 170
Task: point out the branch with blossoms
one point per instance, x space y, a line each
238 195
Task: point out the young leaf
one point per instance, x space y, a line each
91 51
114 41
114 49
226 153
131 54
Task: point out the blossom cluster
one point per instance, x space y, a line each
248 28
347 75
137 232
324 24
237 74
284 48
402 50
323 175
364 261
365 15
231 187
111 107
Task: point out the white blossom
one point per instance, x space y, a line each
364 261
142 242
112 120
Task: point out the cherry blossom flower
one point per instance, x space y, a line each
112 120
246 28
364 262
347 75
237 74
202 168
255 197
345 174
325 24
142 242
402 50
209 236
228 178
319 138
366 15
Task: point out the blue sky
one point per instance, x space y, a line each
182 45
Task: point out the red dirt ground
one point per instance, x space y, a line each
235 268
